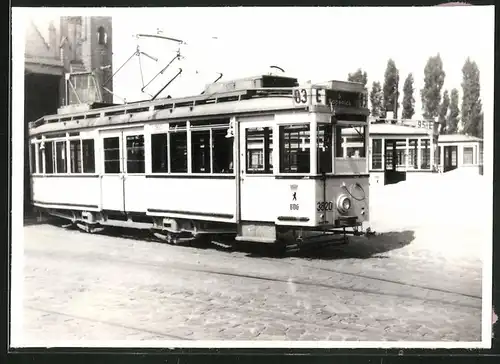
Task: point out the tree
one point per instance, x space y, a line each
472 114
454 115
408 99
377 99
391 84
443 110
361 77
434 76
358 76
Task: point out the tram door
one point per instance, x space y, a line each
256 179
450 158
123 167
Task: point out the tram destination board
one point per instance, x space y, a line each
329 97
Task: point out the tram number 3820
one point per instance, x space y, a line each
324 206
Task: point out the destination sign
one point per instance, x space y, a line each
344 98
321 96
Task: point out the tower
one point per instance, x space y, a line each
87 47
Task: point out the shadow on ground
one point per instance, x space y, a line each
358 247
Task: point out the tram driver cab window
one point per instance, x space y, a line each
295 151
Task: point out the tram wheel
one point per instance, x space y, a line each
168 238
89 228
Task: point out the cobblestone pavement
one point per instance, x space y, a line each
79 286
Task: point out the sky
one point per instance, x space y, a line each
316 44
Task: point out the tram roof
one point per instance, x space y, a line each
276 91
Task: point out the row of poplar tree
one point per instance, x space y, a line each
443 107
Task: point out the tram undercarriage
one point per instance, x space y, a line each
184 231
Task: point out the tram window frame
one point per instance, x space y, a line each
295 159
41 157
377 153
201 141
75 156
112 166
324 148
136 159
222 151
32 157
160 153
264 153
88 155
348 143
178 145
48 157
61 158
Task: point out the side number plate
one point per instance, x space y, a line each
324 206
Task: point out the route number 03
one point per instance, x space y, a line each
301 96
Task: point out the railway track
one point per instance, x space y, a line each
424 294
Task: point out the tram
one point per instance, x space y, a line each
259 159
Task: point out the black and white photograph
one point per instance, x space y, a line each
252 177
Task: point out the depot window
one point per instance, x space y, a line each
468 155
324 142
259 149
377 154
135 153
413 153
200 151
426 154
159 153
295 148
178 152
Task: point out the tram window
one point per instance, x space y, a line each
159 153
413 153
259 150
49 158
324 142
135 153
75 156
426 154
88 156
40 158
353 138
112 155
377 154
200 151
178 152
468 155
295 151
222 151
32 157
61 157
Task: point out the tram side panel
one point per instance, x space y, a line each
66 192
211 199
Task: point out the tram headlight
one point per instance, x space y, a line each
343 203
